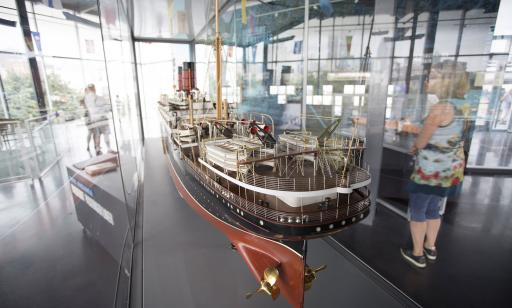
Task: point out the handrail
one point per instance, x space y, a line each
40 126
9 122
308 217
357 175
48 116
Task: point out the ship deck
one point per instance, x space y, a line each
342 201
274 203
265 176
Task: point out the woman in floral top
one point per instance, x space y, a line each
439 167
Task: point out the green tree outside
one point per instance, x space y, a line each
65 99
21 97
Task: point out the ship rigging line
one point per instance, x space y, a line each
246 162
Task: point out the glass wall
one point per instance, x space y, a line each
71 148
261 63
352 48
379 66
340 50
231 55
435 41
382 67
124 96
14 69
17 97
344 41
158 70
444 37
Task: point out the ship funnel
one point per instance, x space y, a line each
310 275
268 283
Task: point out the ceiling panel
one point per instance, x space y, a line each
170 19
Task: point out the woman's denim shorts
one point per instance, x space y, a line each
424 206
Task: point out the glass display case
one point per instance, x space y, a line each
369 63
50 53
373 69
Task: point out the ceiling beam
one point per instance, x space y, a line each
162 40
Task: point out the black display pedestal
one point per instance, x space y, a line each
100 208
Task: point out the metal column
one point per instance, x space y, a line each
32 61
377 96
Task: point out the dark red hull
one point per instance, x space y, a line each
258 252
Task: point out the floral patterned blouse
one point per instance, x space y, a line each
441 162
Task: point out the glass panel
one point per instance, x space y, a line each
176 19
122 89
485 102
91 46
87 198
67 79
10 30
477 28
8 3
43 142
490 100
50 21
14 161
18 88
158 75
338 70
269 65
448 27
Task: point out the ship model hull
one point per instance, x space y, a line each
263 240
227 206
267 195
258 252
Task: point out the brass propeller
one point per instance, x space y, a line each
268 284
310 275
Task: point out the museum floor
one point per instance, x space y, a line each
475 245
47 261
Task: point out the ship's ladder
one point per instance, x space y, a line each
324 165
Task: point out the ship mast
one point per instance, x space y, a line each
218 68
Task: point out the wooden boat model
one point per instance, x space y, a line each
268 194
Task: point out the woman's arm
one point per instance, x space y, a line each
434 119
429 127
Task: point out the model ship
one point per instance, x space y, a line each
268 194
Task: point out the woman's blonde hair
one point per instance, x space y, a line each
448 79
